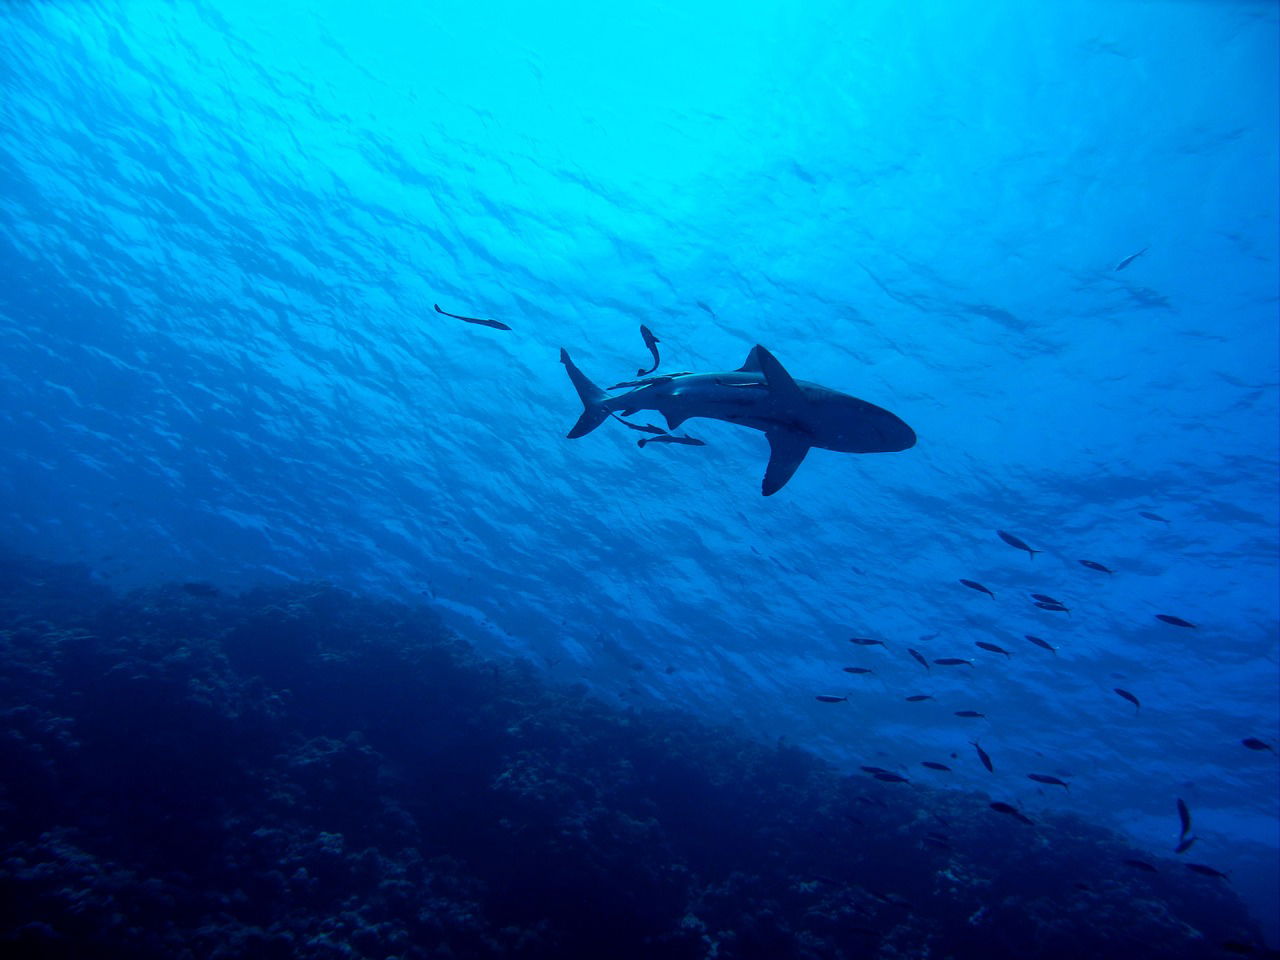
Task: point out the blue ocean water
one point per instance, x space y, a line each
223 227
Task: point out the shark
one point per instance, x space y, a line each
794 415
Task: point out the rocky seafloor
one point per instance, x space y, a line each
305 773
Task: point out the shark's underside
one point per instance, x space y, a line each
794 415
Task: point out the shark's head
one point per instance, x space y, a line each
850 425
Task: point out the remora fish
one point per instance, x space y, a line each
480 321
1041 643
794 415
671 438
975 585
651 342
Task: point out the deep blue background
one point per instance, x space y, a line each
222 227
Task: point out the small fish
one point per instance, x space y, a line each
1184 817
982 755
1130 258
1045 778
1176 621
919 658
1253 743
200 589
1009 810
857 670
874 770
1055 607
1185 845
934 766
1140 865
1241 949
889 777
991 646
918 697
975 585
1152 516
1093 565
651 342
953 661
1130 697
827 698
671 438
496 324
971 714
1205 871
866 642
1041 643
1013 541
1045 598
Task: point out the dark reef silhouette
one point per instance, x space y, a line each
305 773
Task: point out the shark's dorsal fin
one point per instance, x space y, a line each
786 453
780 383
752 363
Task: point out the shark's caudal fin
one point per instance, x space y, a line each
594 411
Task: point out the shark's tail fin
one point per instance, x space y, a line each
594 411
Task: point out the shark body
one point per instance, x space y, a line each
794 415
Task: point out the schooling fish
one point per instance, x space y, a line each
671 438
919 658
1205 871
1184 816
1131 698
1140 865
935 766
866 642
1253 743
1176 621
982 755
953 662
1152 516
971 714
1013 541
873 770
827 698
1055 607
1045 778
1185 845
889 777
975 585
1092 565
1041 643
496 324
857 670
651 342
1130 258
1045 598
918 697
1010 810
990 646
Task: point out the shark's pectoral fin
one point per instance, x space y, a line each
786 453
